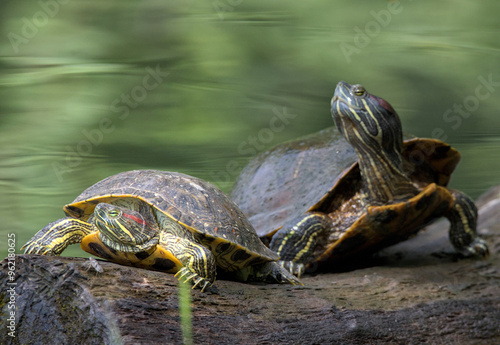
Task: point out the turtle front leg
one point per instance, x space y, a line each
55 237
463 219
199 263
295 241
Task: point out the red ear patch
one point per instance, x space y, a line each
383 103
139 220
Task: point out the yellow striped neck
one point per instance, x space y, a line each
384 180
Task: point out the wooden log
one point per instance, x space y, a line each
415 292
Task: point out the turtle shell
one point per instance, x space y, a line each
320 171
198 205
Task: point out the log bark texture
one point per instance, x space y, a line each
412 293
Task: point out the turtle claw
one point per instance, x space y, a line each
295 268
202 283
182 273
186 275
36 246
32 248
477 248
27 248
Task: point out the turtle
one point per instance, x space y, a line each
164 221
346 192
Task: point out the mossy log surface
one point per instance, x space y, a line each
412 293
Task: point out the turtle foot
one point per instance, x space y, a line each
295 268
55 237
32 247
476 248
185 275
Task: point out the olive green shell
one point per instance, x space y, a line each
192 202
319 169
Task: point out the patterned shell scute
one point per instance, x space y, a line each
192 202
290 178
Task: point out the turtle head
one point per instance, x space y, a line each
365 120
372 127
123 229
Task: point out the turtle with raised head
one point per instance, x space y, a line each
351 191
164 221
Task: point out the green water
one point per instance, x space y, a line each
92 88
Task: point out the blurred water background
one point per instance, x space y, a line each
92 88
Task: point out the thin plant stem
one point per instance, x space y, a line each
185 312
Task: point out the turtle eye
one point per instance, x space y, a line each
114 213
359 91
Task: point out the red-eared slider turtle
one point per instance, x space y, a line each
335 196
165 221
